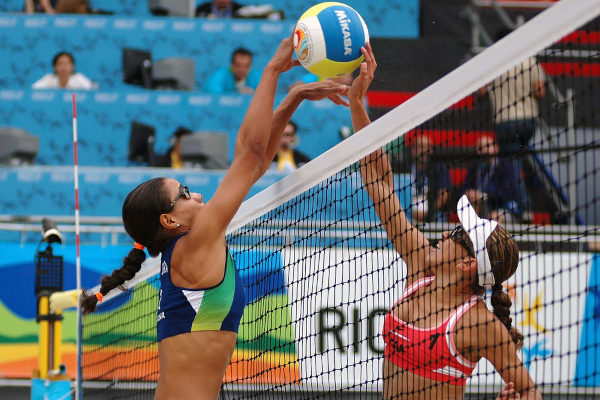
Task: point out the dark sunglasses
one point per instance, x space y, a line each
183 191
458 235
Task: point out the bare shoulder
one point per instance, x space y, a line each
491 332
198 264
476 331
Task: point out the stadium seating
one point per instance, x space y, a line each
385 19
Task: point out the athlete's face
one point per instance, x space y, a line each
183 204
453 248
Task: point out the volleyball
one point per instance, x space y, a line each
328 38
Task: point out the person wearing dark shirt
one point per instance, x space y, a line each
430 182
288 159
218 9
490 184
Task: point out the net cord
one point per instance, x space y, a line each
528 40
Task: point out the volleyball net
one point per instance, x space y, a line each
516 127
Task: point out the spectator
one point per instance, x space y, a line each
73 7
490 184
174 152
64 76
237 78
430 182
40 6
172 158
218 9
287 158
513 96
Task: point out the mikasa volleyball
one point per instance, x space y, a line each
328 38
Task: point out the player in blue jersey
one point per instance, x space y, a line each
202 298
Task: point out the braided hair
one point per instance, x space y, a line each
141 217
504 256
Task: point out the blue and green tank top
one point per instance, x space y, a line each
182 310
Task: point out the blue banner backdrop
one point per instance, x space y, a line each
104 121
392 18
49 191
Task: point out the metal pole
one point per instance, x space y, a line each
78 393
572 165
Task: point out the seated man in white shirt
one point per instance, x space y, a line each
64 76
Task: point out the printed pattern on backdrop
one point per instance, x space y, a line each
346 317
104 121
393 18
97 42
49 191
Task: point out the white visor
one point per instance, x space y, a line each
478 229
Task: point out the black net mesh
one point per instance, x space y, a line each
333 310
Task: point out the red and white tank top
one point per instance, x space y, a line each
430 353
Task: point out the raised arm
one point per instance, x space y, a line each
378 181
498 348
285 110
250 154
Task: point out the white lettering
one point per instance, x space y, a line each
43 96
167 99
11 94
160 316
106 97
213 26
344 24
95 23
154 25
8 22
241 27
65 22
137 98
231 101
124 24
184 26
35 22
81 97
199 100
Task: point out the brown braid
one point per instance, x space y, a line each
141 217
131 265
504 256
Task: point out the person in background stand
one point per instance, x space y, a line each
431 182
239 77
175 150
64 76
288 159
40 6
514 97
218 9
489 185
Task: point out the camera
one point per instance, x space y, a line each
50 233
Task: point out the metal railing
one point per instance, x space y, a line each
110 231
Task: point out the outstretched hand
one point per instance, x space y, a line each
508 392
282 60
367 72
324 89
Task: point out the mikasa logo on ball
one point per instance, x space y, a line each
344 21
